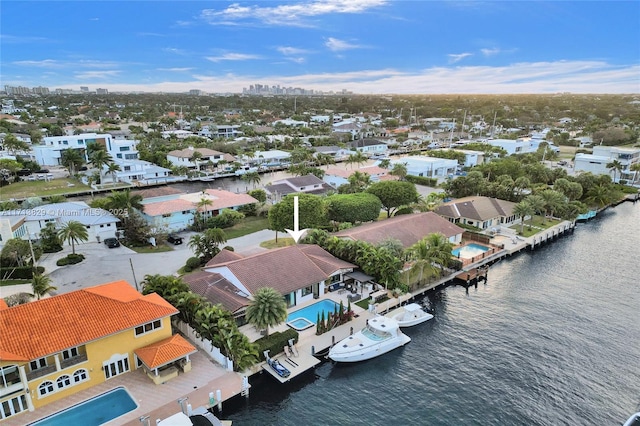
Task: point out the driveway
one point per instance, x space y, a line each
103 265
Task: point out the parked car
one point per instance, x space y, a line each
112 242
174 239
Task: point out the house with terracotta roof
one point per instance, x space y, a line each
175 212
481 212
336 176
300 273
58 346
406 228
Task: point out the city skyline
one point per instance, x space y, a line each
358 46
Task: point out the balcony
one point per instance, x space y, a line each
73 361
40 372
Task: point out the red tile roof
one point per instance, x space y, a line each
286 269
165 351
165 207
50 325
216 289
407 228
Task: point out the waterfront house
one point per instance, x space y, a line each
431 167
309 184
175 212
300 273
58 346
100 223
407 228
596 162
481 212
49 152
184 157
369 147
336 176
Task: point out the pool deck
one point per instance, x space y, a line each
156 401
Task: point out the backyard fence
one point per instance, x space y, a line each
205 345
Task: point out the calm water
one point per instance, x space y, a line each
553 338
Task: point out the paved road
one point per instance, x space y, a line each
102 265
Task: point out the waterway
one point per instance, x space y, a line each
553 338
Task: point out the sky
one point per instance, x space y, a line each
362 46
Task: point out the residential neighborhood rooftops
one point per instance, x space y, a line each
216 289
477 208
408 229
36 329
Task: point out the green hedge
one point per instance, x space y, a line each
19 272
71 259
275 342
421 180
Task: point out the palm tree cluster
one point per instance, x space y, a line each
431 254
211 322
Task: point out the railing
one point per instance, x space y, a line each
73 361
41 372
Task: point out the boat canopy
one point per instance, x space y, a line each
412 307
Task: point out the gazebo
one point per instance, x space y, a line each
162 360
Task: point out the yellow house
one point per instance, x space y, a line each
55 347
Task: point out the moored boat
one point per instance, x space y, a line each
634 420
378 337
412 314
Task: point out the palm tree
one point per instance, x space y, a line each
267 309
14 145
440 248
99 159
522 210
41 285
420 255
357 158
615 166
125 201
112 168
400 170
73 232
252 178
635 168
359 181
599 195
207 244
195 158
553 200
72 159
536 202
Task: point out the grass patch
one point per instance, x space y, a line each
151 249
249 225
41 188
4 283
535 225
363 303
282 242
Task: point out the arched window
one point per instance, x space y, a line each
45 388
80 376
63 381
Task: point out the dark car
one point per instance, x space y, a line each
112 242
174 239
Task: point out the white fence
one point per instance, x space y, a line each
205 345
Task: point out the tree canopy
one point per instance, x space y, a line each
394 194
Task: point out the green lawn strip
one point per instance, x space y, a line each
41 188
249 225
151 249
282 242
6 283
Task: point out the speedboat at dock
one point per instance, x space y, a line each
412 314
379 336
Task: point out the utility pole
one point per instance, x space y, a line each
134 275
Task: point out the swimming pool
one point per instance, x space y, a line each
93 412
469 251
309 314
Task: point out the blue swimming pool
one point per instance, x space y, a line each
310 313
93 412
469 251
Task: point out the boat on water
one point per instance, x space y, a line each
379 336
634 420
412 314
198 417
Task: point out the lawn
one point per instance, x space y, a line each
535 225
13 282
249 225
41 188
152 249
282 242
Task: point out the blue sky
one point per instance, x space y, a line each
364 46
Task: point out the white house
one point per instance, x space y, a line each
369 147
336 176
335 151
271 158
12 227
100 223
430 167
517 146
471 158
49 152
291 123
308 184
183 157
596 162
220 131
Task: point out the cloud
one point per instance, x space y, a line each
45 63
85 75
11 39
453 58
233 57
291 51
290 14
339 45
174 50
175 69
490 52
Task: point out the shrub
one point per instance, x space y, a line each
228 248
19 272
226 219
71 259
275 342
421 180
192 263
404 210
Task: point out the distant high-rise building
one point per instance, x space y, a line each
102 91
195 92
84 89
40 90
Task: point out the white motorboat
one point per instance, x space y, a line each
412 314
380 336
634 420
